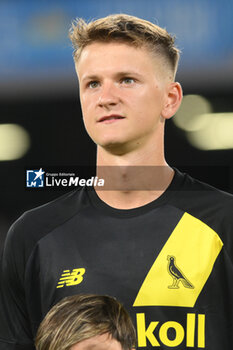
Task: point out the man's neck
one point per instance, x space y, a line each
133 179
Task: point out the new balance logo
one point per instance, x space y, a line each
177 274
71 278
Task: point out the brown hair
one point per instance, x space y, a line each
124 28
80 317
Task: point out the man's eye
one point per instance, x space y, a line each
93 84
128 81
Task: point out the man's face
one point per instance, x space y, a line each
122 92
99 342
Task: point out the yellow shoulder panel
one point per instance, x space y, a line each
183 266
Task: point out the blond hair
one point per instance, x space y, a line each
125 28
81 317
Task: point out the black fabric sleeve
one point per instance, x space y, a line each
4 345
17 326
15 332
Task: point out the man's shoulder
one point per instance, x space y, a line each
36 223
207 203
200 191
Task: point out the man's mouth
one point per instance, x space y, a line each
111 117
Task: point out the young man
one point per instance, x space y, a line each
83 322
158 240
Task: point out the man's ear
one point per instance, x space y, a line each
173 100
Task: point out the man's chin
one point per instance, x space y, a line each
114 147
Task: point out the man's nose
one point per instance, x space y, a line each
108 95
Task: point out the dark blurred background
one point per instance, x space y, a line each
40 115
